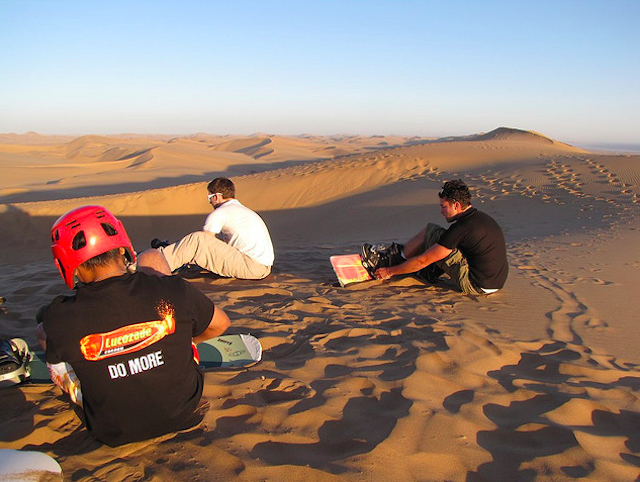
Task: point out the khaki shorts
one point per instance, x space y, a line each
455 265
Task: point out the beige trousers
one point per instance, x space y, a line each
207 251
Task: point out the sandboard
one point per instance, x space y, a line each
229 351
26 465
349 269
220 352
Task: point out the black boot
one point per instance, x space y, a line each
381 256
159 243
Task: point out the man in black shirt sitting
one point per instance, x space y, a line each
472 251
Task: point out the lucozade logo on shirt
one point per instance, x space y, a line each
130 338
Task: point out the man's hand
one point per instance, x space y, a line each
383 273
412 265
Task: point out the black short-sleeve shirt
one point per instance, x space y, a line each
481 241
128 339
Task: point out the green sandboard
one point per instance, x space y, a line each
229 351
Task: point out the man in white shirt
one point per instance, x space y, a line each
234 242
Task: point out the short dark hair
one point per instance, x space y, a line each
456 190
222 185
102 259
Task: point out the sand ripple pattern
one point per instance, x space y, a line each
349 378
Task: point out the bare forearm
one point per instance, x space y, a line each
409 266
219 324
433 254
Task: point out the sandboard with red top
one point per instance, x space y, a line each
220 352
349 269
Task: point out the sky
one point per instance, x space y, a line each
569 69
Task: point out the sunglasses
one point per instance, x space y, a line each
209 196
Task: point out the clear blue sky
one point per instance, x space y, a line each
569 69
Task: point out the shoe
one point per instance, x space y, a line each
430 274
14 361
380 256
370 258
159 243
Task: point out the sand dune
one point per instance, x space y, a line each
97 165
510 134
392 380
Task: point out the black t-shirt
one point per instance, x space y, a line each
128 339
481 241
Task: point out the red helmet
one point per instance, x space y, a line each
83 233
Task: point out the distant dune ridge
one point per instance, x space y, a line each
510 134
60 170
393 380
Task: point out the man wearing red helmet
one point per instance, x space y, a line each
127 337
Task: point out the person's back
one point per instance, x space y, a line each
128 339
243 229
481 241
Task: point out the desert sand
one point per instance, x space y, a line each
380 381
